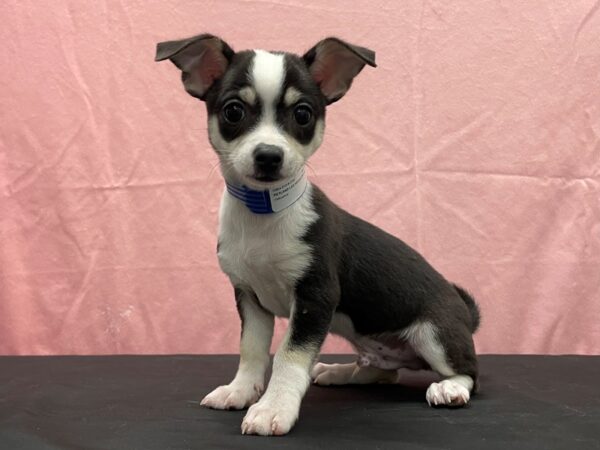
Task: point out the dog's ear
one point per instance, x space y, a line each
334 63
202 60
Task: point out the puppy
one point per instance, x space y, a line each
290 252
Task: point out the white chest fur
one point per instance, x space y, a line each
265 252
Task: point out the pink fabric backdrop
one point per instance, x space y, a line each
476 140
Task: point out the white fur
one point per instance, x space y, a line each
453 391
248 384
239 394
266 253
267 76
278 409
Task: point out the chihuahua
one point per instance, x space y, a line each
290 252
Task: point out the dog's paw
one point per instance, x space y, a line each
447 393
328 374
232 396
271 417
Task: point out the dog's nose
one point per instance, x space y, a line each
268 159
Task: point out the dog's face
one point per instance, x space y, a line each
265 117
266 110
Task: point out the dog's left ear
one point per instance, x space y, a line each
202 60
334 63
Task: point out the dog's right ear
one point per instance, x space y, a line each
202 60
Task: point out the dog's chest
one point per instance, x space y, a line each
266 253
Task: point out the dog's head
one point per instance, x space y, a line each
266 110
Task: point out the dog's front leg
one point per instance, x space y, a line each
249 381
277 410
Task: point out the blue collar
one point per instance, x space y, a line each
271 200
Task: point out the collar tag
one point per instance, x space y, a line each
271 200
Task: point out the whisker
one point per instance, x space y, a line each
226 167
213 169
312 170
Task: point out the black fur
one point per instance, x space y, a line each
227 88
472 305
384 285
297 76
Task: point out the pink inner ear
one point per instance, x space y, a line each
212 66
323 66
333 70
323 72
319 72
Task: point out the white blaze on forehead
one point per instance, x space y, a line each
268 76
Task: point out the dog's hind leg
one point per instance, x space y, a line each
337 374
449 350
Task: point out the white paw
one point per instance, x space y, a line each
232 396
327 374
271 416
448 393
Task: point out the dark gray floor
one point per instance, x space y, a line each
150 402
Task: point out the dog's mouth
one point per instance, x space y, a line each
262 181
266 178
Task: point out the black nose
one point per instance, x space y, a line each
268 159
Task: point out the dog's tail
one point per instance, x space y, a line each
472 305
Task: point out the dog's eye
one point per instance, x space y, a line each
234 111
302 114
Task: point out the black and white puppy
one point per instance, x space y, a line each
290 252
